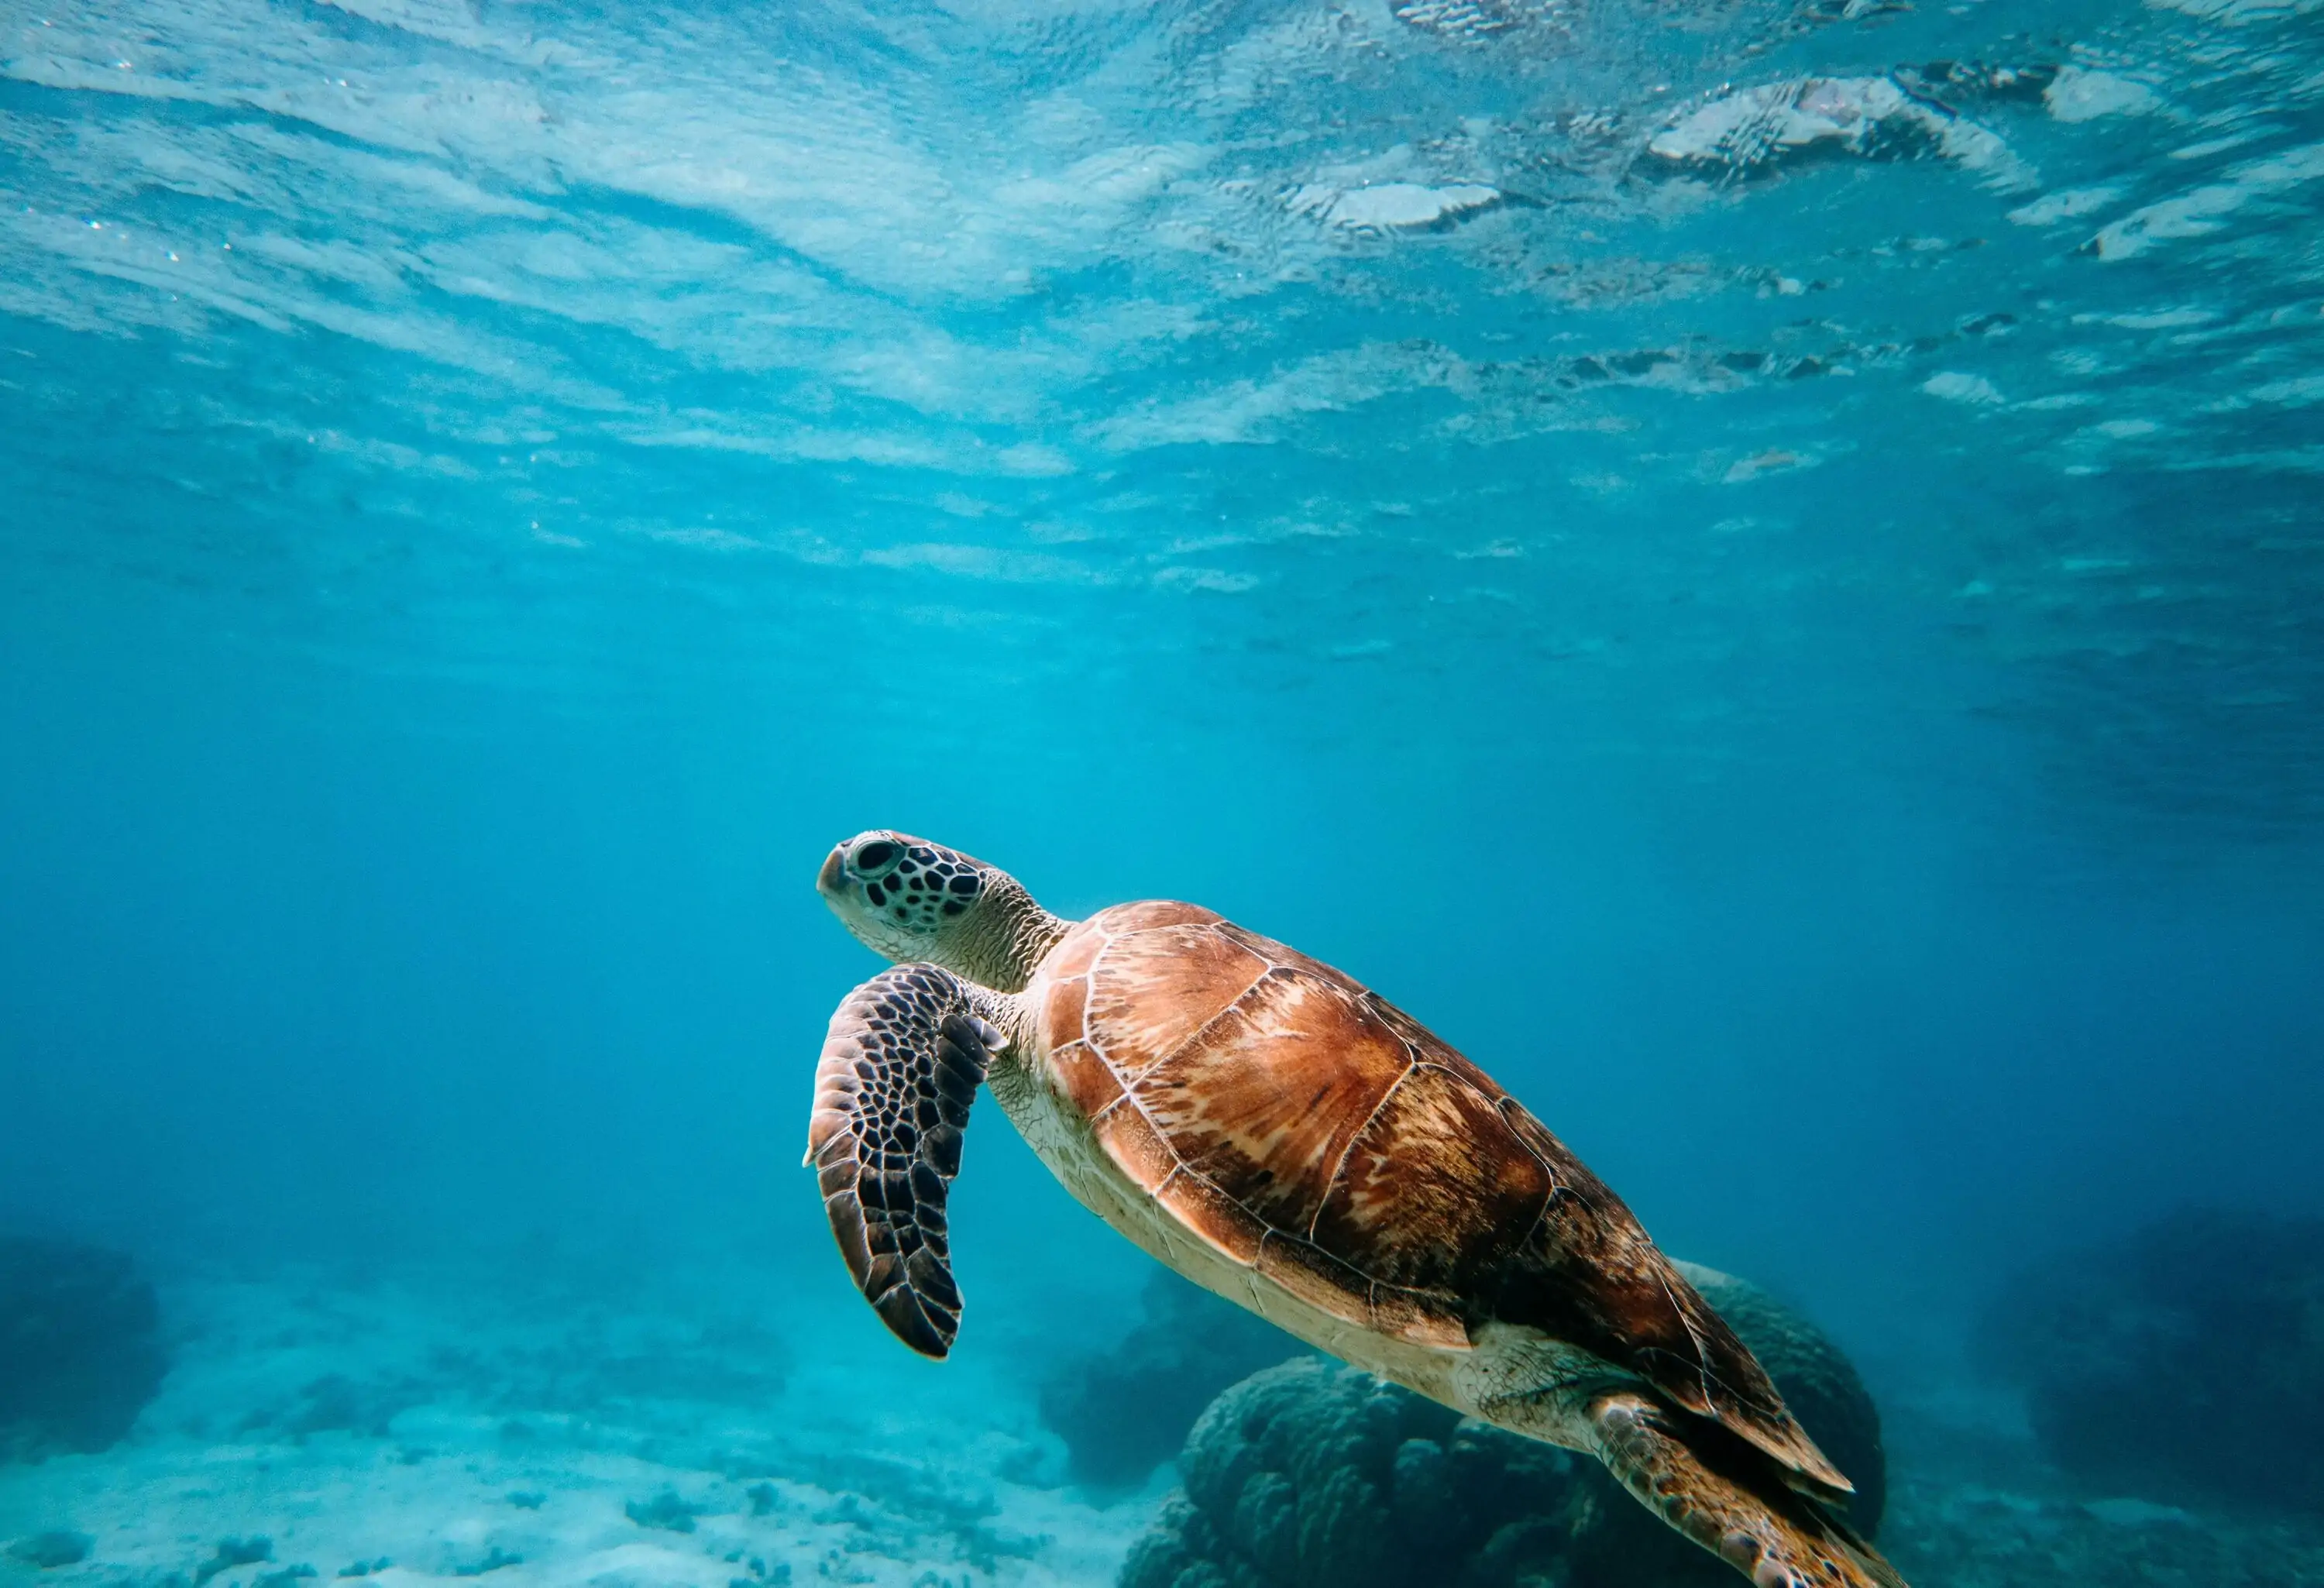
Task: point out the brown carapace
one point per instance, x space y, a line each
1283 1135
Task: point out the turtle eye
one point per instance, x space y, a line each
877 856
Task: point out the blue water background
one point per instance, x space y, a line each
492 495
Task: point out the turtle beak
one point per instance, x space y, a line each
828 881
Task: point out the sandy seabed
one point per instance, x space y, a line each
409 1433
646 1431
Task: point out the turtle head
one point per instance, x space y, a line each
909 900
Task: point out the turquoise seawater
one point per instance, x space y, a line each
1758 566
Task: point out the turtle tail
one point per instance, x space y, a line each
1730 1498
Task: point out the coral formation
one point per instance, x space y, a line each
80 1347
47 1551
232 1552
1314 1475
1963 1533
2185 1362
1122 1412
665 1510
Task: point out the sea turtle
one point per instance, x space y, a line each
1284 1136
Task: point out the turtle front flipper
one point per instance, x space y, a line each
900 1067
1730 1496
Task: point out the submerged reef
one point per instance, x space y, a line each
1315 1475
47 1551
2185 1362
1123 1411
232 1552
80 1347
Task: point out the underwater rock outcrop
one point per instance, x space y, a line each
47 1551
1315 1475
1122 1412
2184 1363
80 1347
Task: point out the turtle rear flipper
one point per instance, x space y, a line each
1730 1498
900 1067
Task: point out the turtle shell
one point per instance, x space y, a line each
1310 1130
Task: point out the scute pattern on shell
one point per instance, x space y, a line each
899 1070
1307 1129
